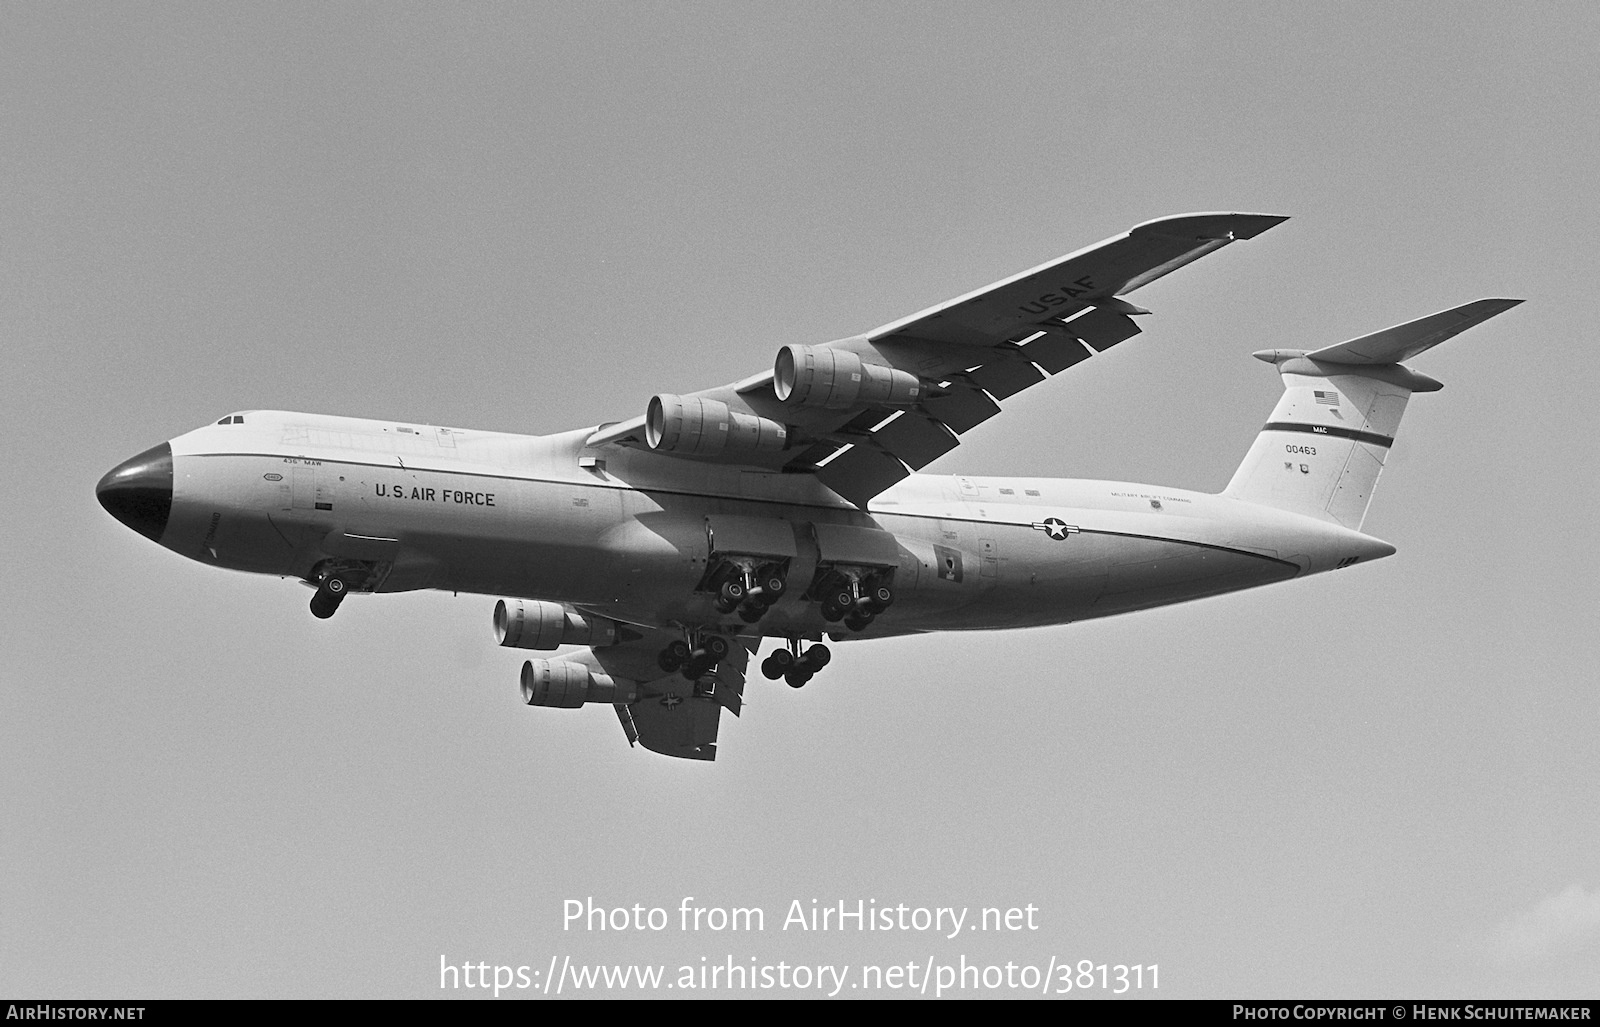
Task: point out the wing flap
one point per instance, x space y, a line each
916 438
1006 376
861 472
962 407
1055 349
677 726
1103 328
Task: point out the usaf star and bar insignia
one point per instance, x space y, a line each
1055 527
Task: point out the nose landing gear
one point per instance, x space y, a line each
333 583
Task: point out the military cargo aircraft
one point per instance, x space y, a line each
668 547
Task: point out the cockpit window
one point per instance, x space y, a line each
232 419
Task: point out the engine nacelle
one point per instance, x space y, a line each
535 624
836 379
707 427
567 685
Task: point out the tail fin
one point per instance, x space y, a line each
1321 452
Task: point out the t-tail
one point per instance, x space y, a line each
1321 452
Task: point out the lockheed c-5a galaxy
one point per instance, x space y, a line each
784 506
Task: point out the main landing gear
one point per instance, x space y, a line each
749 588
855 599
794 666
696 660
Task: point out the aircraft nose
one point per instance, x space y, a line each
138 491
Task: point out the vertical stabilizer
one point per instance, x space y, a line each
1322 450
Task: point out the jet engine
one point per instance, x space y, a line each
706 427
567 685
836 379
535 624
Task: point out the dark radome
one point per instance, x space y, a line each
138 491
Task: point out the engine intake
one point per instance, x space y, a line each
708 427
567 685
535 624
836 379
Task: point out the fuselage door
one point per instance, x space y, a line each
988 562
312 491
305 485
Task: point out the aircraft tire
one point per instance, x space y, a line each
675 655
324 603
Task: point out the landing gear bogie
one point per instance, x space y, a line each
675 655
696 655
854 595
858 619
794 665
744 585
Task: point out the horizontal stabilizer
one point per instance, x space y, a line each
1402 342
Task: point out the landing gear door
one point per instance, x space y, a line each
728 535
858 546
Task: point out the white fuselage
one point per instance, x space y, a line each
623 533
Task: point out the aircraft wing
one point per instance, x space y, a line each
671 715
862 413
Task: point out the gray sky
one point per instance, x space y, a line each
532 217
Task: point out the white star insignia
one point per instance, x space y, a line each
1055 527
